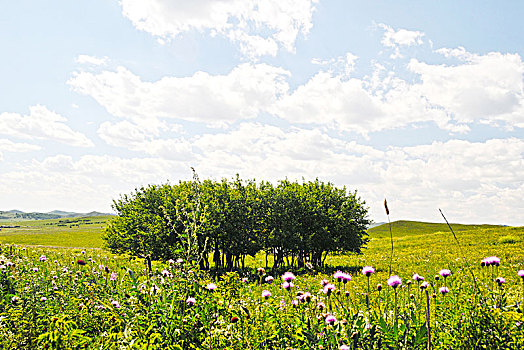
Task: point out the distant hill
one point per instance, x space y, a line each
17 215
406 228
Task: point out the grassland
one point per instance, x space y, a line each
82 232
55 298
415 243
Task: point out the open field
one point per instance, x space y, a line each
88 298
66 232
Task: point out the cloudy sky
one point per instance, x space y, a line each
420 102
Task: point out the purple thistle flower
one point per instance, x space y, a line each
43 299
330 319
445 273
324 282
114 276
500 280
417 277
191 301
266 294
287 285
521 273
244 279
339 276
424 285
443 290
346 278
307 297
211 286
368 270
288 277
489 261
269 279
43 258
328 289
394 281
343 347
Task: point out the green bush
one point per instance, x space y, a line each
295 222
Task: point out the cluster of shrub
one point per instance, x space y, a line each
224 221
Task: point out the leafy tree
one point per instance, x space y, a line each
295 222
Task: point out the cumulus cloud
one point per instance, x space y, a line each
96 61
41 123
362 105
259 26
400 37
480 88
91 181
211 99
471 181
396 39
10 146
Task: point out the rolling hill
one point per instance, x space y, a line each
17 215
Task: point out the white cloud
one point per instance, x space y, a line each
258 25
10 146
471 181
211 99
400 37
96 61
82 184
396 39
362 105
41 123
481 88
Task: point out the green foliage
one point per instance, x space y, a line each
297 223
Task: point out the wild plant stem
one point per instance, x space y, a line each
390 234
460 251
428 325
391 237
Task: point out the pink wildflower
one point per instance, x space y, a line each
394 281
287 285
417 277
328 289
368 270
288 277
445 273
114 276
330 319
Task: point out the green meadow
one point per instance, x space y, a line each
61 290
83 232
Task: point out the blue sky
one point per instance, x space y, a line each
420 102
